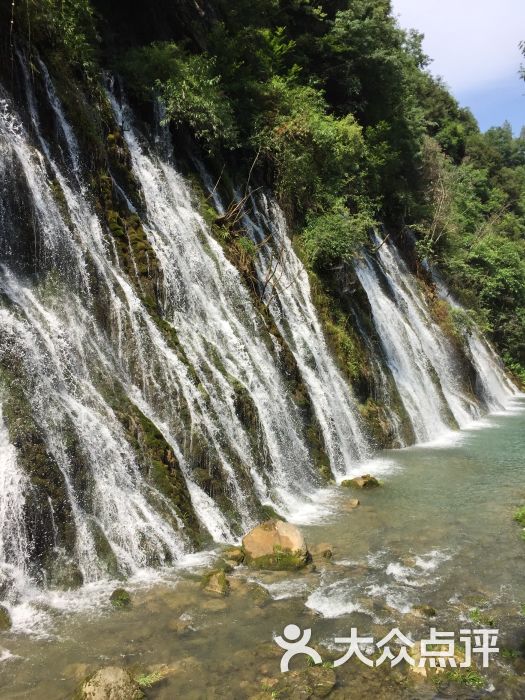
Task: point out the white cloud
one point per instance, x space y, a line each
473 42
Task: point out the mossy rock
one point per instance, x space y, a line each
234 554
5 619
258 594
111 683
223 565
120 598
361 482
64 573
216 582
275 545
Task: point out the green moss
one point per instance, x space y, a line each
120 598
159 462
216 582
148 680
280 560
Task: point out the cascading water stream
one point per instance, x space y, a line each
213 316
419 356
87 347
496 389
286 291
14 544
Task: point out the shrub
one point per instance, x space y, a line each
335 236
189 86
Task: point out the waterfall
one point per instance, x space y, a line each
14 543
85 347
495 388
145 402
286 291
222 335
421 359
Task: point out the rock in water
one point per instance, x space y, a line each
424 611
111 683
216 582
323 549
275 545
361 482
120 598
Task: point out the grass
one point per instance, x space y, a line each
147 680
509 653
481 618
468 678
519 516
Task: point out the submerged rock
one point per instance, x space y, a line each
258 594
275 545
366 481
216 582
424 611
5 619
110 683
313 682
120 598
323 549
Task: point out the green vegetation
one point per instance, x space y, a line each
189 87
469 678
148 680
120 598
519 516
332 105
481 618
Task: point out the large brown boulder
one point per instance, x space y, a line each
275 545
110 683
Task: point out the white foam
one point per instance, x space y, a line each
334 600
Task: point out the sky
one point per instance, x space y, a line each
474 47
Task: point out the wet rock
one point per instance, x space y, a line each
120 598
215 605
234 555
351 504
258 594
427 671
366 481
323 549
216 582
182 624
314 682
424 611
111 683
5 619
275 545
223 565
322 680
64 573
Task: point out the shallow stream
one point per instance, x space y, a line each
439 532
